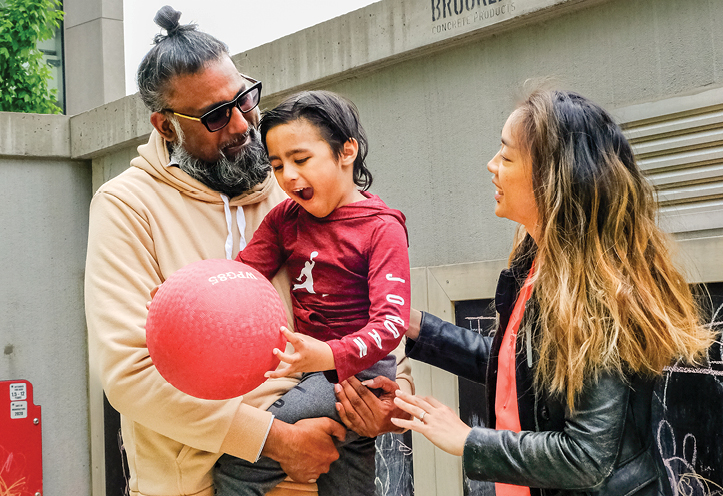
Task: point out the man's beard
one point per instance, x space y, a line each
231 176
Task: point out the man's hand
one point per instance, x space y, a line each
305 449
364 413
310 355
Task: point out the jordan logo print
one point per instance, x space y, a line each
308 283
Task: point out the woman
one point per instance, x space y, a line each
590 311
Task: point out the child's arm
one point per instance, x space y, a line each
265 252
389 295
310 355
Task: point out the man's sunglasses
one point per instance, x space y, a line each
219 117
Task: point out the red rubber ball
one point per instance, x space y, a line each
212 327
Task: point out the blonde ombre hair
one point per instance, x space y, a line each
610 298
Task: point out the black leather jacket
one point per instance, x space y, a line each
605 448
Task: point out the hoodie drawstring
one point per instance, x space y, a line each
240 220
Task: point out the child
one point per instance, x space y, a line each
346 253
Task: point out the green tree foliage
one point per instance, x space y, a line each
23 73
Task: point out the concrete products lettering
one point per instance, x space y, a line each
450 15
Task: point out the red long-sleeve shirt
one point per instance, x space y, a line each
349 276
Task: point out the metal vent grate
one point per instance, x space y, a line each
681 152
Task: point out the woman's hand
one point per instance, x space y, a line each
437 422
365 413
310 355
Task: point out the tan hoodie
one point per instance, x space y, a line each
145 224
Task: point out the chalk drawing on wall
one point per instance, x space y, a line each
13 474
688 408
394 465
479 316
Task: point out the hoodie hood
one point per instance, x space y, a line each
371 206
154 159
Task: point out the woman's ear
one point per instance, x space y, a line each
349 152
163 126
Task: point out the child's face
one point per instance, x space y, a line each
308 171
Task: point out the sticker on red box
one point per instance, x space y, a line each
18 409
18 392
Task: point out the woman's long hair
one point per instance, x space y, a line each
610 297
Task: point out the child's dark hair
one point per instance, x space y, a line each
336 118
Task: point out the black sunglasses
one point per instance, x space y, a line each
219 117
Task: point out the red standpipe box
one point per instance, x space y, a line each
21 440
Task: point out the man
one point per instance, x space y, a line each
198 190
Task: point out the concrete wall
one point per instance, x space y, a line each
434 119
43 234
434 102
434 88
94 56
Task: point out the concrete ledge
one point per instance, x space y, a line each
118 124
637 115
384 33
365 40
34 135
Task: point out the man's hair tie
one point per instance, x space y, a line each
167 18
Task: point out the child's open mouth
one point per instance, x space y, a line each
305 193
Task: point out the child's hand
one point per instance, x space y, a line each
153 293
310 355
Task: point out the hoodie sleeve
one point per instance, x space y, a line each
389 295
121 270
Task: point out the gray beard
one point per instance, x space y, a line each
230 176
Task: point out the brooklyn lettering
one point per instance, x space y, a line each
443 8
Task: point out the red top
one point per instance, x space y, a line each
349 276
508 416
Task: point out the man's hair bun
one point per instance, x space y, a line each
177 50
167 18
